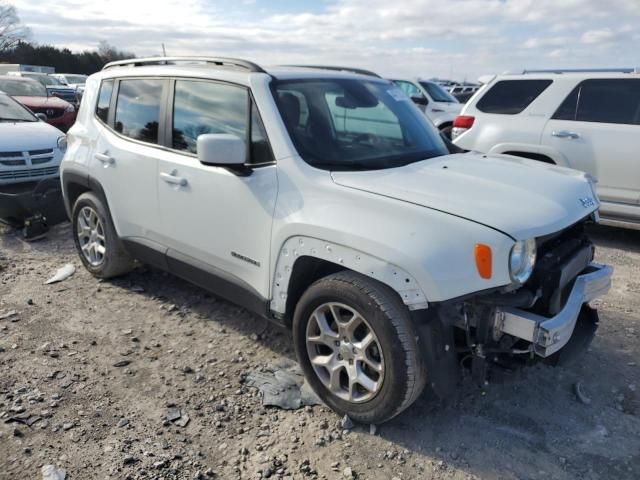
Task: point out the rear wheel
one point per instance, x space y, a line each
357 347
96 240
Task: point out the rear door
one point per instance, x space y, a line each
597 128
124 159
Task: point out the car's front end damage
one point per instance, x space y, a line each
546 317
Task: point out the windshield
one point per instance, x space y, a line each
437 93
43 79
349 124
72 79
22 88
10 110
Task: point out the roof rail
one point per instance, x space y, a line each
579 70
359 71
218 61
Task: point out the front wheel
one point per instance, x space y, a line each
357 347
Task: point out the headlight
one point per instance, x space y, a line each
70 108
522 260
62 144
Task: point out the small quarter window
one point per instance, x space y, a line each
510 97
104 100
138 109
260 149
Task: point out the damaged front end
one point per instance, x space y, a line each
32 205
548 317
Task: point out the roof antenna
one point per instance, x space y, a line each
164 52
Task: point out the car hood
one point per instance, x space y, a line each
448 107
519 197
42 102
22 136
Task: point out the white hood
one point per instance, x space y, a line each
522 198
23 136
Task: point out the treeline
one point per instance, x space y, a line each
63 60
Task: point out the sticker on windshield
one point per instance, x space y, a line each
397 94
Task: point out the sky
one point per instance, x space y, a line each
459 39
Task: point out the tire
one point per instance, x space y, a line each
395 351
114 260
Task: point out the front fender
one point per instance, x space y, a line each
300 246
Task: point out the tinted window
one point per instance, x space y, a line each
609 101
567 110
205 107
138 109
104 99
510 97
260 149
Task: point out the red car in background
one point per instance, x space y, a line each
35 97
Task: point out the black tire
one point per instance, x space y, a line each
404 368
116 260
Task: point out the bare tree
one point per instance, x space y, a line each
109 53
12 31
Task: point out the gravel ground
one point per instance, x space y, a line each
143 378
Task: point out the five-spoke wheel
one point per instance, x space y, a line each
345 352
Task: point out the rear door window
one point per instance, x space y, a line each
603 101
510 97
137 113
609 101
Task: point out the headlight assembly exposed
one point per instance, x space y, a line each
522 260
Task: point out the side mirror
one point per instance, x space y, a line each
420 100
221 149
41 116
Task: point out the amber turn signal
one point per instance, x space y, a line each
483 260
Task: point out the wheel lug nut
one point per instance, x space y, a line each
354 350
337 343
339 357
351 361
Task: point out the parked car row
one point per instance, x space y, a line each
35 96
326 201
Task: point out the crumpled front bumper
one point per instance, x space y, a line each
548 335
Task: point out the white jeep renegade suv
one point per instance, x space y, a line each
587 120
327 202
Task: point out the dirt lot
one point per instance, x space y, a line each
181 351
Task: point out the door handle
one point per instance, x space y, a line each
173 179
565 134
104 158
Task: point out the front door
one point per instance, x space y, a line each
597 128
215 218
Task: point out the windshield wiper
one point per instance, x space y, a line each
342 166
2 119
